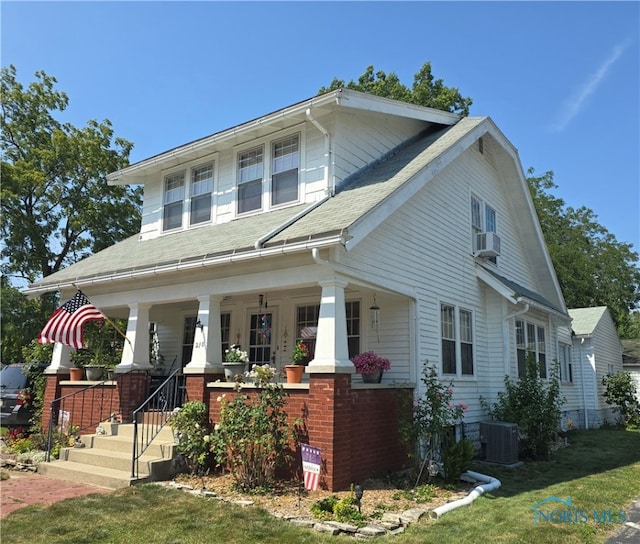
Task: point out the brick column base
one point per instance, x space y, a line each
133 390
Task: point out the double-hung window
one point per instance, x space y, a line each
483 219
284 170
250 176
530 341
200 193
566 369
456 329
173 201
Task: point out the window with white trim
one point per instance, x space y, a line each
173 201
284 170
530 339
200 194
483 219
250 175
566 369
456 331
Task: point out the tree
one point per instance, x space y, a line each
593 268
56 205
426 90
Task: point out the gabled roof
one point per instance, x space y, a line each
585 320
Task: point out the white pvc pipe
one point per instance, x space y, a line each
488 484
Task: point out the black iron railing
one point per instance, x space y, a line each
154 413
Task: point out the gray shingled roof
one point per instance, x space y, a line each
359 196
521 291
585 320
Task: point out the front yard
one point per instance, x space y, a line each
598 474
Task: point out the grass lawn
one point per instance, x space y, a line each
600 471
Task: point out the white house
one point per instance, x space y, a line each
296 224
596 353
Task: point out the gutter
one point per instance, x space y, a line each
489 483
190 265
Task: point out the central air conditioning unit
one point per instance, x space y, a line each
499 442
487 244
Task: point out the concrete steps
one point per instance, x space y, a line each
106 459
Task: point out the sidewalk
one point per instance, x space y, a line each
25 488
629 533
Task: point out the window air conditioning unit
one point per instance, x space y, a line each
487 244
499 442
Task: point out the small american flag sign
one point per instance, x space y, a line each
311 459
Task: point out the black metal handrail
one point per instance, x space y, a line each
93 397
154 413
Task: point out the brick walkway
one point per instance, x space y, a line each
24 488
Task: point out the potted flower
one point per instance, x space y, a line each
371 366
235 361
295 368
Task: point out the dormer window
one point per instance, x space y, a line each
173 201
250 175
200 193
285 166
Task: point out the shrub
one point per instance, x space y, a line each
193 429
621 393
252 437
433 419
456 459
533 403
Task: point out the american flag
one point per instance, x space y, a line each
65 325
311 459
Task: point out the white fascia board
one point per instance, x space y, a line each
497 285
378 104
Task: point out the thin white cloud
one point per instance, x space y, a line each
575 103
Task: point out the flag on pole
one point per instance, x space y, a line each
311 460
65 324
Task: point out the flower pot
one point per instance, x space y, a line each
294 373
94 372
76 374
231 370
372 377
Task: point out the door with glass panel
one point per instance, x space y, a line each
261 347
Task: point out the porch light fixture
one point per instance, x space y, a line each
374 312
199 325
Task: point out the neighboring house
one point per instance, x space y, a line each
631 361
596 353
304 219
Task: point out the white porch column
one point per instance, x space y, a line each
332 348
60 359
206 355
135 353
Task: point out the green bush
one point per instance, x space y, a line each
192 426
252 437
457 459
534 404
621 393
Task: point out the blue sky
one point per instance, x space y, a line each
560 79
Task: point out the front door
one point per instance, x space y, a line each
261 338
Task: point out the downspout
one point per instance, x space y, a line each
329 188
584 390
328 178
489 483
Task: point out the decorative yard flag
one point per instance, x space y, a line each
311 460
65 325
